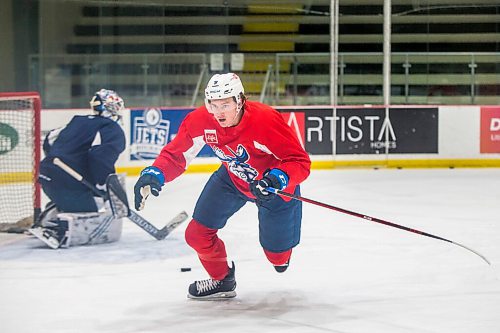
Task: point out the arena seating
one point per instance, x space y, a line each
133 39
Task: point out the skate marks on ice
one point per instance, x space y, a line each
280 311
293 312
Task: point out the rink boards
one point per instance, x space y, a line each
346 136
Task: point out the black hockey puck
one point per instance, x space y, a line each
185 269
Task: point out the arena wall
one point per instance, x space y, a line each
411 136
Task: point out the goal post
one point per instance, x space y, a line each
20 152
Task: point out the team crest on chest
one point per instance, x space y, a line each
237 162
211 136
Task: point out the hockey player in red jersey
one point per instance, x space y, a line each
257 150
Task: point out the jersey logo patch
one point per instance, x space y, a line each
211 136
237 163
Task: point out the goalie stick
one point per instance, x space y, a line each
120 207
119 203
371 219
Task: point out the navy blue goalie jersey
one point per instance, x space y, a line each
89 144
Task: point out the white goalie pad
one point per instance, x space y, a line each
58 229
91 228
74 229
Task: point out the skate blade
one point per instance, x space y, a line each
215 297
38 233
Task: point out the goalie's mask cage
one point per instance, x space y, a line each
20 145
108 104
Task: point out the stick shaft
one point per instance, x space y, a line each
73 173
371 219
69 170
159 234
366 217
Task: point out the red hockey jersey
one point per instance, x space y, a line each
262 140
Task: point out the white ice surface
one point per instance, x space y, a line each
347 275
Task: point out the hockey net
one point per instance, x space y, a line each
19 160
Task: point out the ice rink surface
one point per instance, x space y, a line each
347 275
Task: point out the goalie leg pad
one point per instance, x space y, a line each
93 228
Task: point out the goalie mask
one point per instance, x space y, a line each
223 86
107 103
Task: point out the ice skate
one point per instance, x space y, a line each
55 236
46 235
211 289
282 268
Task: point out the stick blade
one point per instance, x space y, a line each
474 251
172 224
117 196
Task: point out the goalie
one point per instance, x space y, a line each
90 144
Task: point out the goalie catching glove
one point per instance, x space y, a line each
150 182
275 178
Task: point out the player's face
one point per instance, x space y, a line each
225 111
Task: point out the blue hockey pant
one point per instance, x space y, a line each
279 220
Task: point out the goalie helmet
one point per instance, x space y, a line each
107 103
223 86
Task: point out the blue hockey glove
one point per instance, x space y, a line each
274 178
150 182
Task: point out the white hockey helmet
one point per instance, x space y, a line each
223 86
107 103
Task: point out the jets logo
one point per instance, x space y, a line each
150 132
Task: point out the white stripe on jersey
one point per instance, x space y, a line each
190 154
97 140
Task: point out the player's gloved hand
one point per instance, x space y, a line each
150 182
272 178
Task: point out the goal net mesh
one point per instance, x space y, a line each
19 158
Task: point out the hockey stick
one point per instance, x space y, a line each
372 219
119 204
159 234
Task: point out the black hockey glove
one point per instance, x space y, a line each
150 182
275 178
